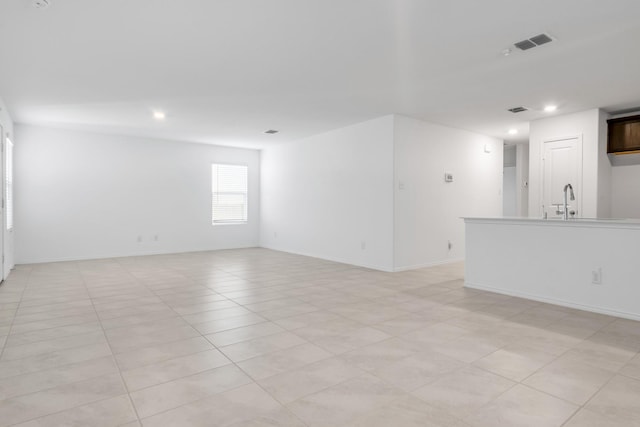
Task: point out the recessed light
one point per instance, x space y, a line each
550 108
159 115
513 131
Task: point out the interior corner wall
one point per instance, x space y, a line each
331 195
604 168
8 240
82 195
428 210
585 124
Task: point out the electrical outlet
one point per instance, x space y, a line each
156 238
139 239
363 245
596 276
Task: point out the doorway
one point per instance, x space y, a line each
3 150
509 182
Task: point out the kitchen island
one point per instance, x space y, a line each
589 264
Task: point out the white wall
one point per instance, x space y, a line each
83 195
625 192
335 196
331 195
595 172
428 210
8 235
374 195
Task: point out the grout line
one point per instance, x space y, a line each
73 407
26 284
124 383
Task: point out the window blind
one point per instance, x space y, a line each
229 198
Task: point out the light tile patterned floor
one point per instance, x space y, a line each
255 337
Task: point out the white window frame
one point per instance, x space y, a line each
8 184
214 194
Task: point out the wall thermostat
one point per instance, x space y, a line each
448 177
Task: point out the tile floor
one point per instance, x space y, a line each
261 338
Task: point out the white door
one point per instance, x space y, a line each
562 165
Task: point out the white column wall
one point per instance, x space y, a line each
428 210
331 195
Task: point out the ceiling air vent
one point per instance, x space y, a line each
541 39
525 45
535 41
40 4
518 109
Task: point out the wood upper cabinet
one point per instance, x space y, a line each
624 134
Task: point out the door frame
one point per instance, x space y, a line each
578 193
3 234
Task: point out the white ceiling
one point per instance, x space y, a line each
224 71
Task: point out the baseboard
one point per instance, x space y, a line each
599 310
429 264
8 271
169 252
326 258
121 255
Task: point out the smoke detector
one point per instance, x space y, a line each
40 4
518 109
271 131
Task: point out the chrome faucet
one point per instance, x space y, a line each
565 211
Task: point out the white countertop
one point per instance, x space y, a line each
574 222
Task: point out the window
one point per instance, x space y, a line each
229 187
8 184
